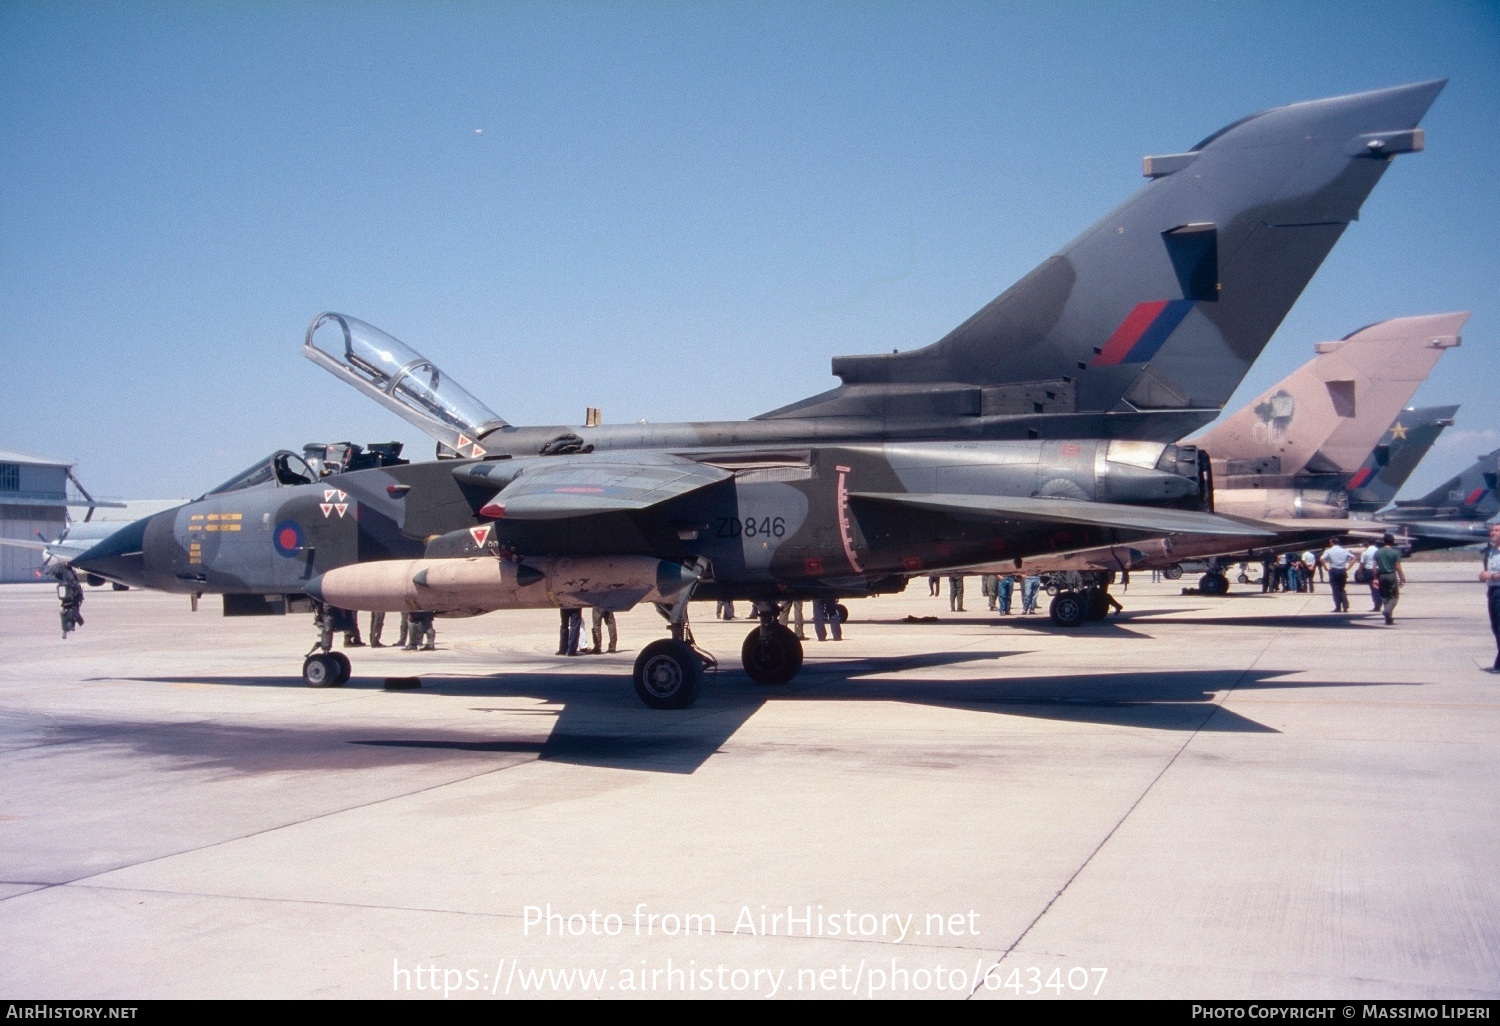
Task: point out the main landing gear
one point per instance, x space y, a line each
772 652
669 672
1213 583
323 667
1082 597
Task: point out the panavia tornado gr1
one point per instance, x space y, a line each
1038 425
612 530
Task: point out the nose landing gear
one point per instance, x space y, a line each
323 667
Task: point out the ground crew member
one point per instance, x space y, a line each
70 595
1367 571
1029 588
956 593
825 611
1338 560
572 627
1391 575
602 617
420 633
1490 575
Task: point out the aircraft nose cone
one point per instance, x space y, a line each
119 557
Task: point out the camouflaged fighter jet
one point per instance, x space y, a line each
612 530
1456 512
1137 331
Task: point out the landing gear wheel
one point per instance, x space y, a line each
843 612
1098 605
1173 572
668 674
773 658
1213 584
344 668
320 671
1069 609
1243 578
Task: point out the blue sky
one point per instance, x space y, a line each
674 210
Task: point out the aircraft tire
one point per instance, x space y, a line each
320 671
1098 605
1173 572
843 612
345 669
1069 609
773 660
1213 584
668 674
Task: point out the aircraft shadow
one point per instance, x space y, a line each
594 719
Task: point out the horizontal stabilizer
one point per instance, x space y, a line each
557 487
1069 511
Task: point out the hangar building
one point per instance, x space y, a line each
33 497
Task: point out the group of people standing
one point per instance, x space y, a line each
1000 589
1289 571
571 630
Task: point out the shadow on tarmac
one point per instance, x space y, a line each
595 719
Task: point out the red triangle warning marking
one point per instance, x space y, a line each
326 508
464 440
342 507
328 494
343 496
477 452
481 534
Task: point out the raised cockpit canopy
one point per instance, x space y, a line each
282 468
401 379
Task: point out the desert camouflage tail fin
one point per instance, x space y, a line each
1326 417
1164 303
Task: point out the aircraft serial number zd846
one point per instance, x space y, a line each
750 527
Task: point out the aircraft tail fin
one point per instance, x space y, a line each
1327 416
1165 302
1392 461
1474 491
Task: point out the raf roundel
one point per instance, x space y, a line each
288 538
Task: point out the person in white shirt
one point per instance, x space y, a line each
1338 559
1309 568
1367 565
